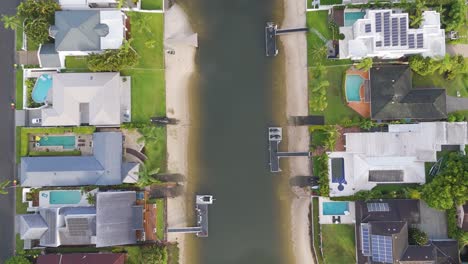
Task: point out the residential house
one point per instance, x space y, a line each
103 167
81 258
382 235
396 156
393 98
115 220
462 216
75 99
81 32
386 34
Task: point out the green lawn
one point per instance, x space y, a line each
331 2
338 244
156 152
19 38
337 110
317 20
160 218
19 89
437 81
20 207
49 153
148 94
76 62
152 4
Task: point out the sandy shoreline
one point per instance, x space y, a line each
179 68
295 50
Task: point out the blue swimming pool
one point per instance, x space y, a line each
334 208
353 86
67 142
351 17
64 197
41 88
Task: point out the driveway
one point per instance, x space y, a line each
456 103
7 157
433 222
456 49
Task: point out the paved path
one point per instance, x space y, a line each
7 157
456 103
458 49
316 32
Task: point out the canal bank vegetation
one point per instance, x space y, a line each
321 170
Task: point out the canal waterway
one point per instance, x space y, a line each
236 95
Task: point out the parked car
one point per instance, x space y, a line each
36 121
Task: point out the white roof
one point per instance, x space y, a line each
385 34
404 148
114 20
99 93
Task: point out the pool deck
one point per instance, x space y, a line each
45 202
362 107
328 219
83 143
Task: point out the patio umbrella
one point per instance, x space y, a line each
37 138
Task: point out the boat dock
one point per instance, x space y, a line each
201 207
271 31
275 135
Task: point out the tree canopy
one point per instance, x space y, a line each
113 60
17 260
318 88
417 237
450 186
365 64
154 255
448 66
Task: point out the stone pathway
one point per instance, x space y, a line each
456 103
455 49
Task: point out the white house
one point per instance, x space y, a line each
396 156
81 32
386 34
84 4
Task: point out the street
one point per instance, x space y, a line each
7 156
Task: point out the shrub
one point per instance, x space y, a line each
417 237
30 82
341 36
113 60
17 260
367 124
153 254
322 172
365 64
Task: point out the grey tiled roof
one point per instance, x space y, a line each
48 56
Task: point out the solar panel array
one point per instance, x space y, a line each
386 25
365 238
378 207
411 41
378 43
419 41
78 226
403 31
382 249
394 31
378 22
368 28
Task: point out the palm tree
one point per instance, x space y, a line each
10 22
146 176
4 186
319 53
150 134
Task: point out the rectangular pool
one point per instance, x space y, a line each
351 17
335 208
64 197
67 142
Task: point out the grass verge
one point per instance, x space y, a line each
50 153
160 226
315 205
331 2
152 4
76 62
338 244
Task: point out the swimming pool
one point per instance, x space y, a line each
351 17
67 142
41 88
64 197
353 86
335 208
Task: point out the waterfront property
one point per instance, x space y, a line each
393 98
357 90
396 156
386 34
382 235
81 32
74 99
331 212
103 167
115 220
